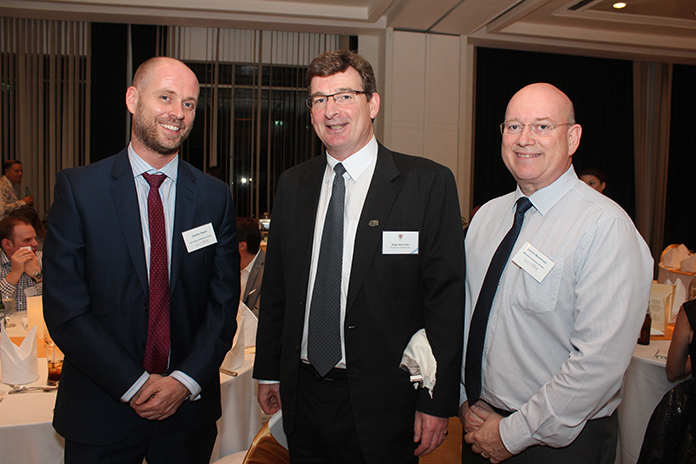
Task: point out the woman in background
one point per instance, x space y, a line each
682 349
594 178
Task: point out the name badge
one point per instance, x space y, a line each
533 261
400 243
199 237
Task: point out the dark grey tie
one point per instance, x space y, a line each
479 320
324 337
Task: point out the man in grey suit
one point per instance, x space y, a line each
395 248
252 259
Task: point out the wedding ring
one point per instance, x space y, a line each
484 455
154 416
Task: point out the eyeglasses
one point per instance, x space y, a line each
540 129
341 98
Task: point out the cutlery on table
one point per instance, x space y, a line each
24 388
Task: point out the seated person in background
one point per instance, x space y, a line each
252 260
594 178
8 188
30 214
682 349
20 264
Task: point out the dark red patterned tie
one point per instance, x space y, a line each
157 346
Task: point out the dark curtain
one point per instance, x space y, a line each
602 93
680 225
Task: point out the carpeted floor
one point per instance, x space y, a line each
449 452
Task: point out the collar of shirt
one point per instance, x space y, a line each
4 259
356 164
250 266
544 199
140 166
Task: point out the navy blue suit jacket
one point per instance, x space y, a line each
96 296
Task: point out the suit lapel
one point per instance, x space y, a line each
380 196
307 201
184 211
126 201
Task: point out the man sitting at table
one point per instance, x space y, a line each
550 334
21 263
251 263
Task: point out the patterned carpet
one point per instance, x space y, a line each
449 452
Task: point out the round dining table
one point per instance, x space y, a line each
645 384
27 436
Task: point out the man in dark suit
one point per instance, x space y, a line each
400 268
140 377
252 261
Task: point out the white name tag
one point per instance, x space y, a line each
199 237
536 263
400 243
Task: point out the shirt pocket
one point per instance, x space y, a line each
538 297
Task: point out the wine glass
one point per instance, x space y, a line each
10 310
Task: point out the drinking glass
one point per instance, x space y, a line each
10 310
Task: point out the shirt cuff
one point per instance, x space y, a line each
189 383
267 382
515 434
135 387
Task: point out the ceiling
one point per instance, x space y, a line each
659 30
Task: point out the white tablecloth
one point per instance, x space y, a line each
26 433
27 436
645 385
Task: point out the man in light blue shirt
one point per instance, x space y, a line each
563 324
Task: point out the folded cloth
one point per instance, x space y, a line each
671 258
680 296
20 364
234 359
689 264
251 323
419 361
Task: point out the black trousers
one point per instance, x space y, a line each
161 442
596 444
324 431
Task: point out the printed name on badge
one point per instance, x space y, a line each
400 243
199 237
533 261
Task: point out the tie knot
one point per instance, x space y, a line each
523 204
155 180
339 169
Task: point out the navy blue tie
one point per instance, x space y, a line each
324 335
479 320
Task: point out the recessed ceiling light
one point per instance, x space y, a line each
619 5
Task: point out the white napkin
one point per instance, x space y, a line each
251 323
680 296
234 359
671 258
419 361
689 264
20 364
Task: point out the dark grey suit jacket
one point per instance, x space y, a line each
252 292
390 297
96 296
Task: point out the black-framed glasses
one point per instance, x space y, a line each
346 97
541 129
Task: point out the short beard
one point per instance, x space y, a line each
147 135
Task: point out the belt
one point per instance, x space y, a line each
333 374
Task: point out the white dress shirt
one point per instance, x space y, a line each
556 352
245 273
359 170
167 193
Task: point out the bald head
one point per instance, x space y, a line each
551 96
538 158
148 69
